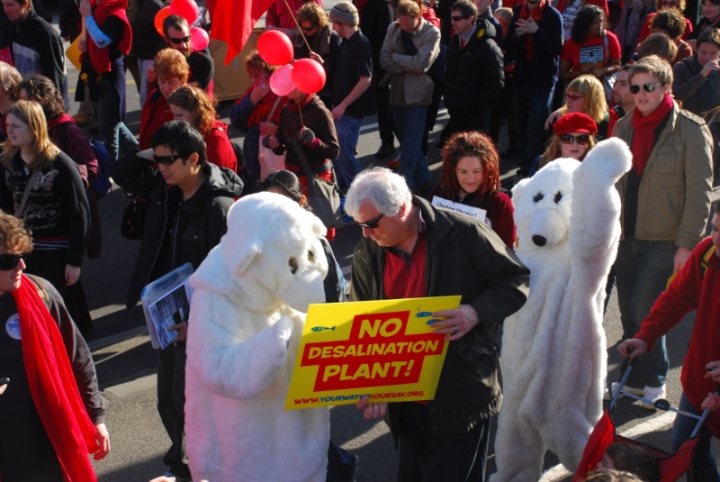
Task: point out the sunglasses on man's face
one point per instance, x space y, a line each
372 223
9 261
180 40
580 139
649 87
167 160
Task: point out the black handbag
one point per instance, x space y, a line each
323 196
132 225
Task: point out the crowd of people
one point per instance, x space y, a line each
560 75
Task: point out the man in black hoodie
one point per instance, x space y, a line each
186 216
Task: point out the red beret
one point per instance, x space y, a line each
575 122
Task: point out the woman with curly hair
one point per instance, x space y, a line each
591 48
471 175
191 104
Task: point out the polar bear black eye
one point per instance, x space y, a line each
311 256
538 197
558 197
293 265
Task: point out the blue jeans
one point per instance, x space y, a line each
642 270
704 467
531 108
346 164
410 124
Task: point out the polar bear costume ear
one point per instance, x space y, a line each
517 190
239 245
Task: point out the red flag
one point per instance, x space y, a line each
233 22
600 439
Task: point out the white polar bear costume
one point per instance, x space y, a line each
553 359
242 340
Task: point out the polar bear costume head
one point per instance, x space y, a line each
273 254
542 205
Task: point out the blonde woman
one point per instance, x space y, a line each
585 94
46 191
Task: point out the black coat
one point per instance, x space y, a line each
468 259
474 74
198 226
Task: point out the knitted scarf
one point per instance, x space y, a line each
644 132
100 57
536 15
53 387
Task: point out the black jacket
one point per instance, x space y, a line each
146 41
197 227
543 70
468 259
474 74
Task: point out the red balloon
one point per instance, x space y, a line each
160 17
187 9
308 76
199 39
281 82
275 47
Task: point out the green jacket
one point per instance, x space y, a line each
674 194
468 259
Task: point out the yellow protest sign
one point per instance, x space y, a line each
384 349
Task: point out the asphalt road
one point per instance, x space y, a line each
126 362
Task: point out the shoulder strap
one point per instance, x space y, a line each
301 157
705 261
41 289
26 194
606 47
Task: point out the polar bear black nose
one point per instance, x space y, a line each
539 240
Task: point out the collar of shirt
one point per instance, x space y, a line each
464 39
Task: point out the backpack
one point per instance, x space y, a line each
100 184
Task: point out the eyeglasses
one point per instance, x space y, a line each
574 97
457 18
9 261
580 139
649 87
167 160
306 28
180 40
372 223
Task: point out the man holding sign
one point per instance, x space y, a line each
412 249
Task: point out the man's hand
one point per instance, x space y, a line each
271 142
456 323
259 91
3 388
527 26
338 112
85 8
103 440
371 410
713 371
181 330
711 402
681 255
555 115
268 128
710 67
306 136
316 57
72 274
632 348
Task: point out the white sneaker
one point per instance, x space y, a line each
626 389
652 394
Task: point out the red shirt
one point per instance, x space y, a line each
404 275
155 113
691 289
647 28
218 146
591 52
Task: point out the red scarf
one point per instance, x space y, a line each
644 132
53 387
100 58
536 15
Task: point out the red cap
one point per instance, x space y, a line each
575 122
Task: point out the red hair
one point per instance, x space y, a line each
469 144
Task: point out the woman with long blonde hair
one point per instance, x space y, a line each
46 191
585 94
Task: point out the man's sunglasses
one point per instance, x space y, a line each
580 139
180 40
649 87
167 160
306 28
9 261
457 18
372 223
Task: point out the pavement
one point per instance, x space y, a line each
126 362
